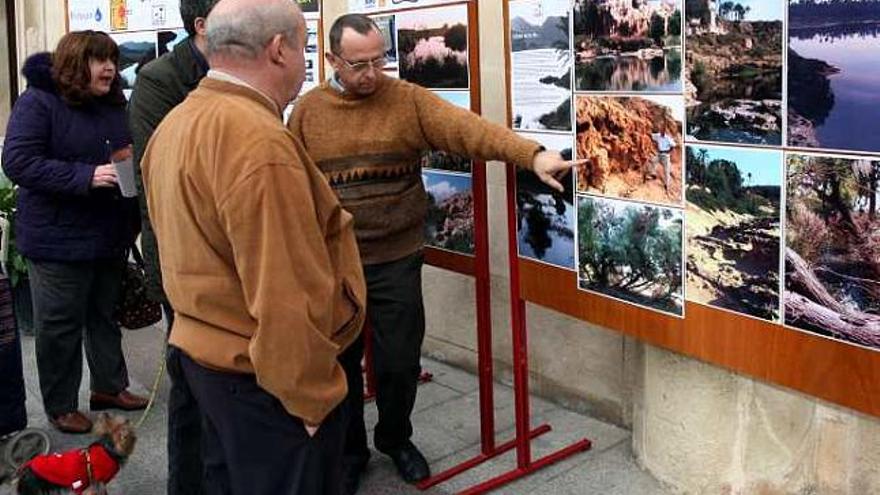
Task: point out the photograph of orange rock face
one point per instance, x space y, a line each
634 147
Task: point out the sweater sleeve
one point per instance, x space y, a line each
447 127
288 285
26 159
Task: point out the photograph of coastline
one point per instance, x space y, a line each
834 74
135 51
733 224
540 64
734 71
622 45
450 220
634 147
832 247
632 252
433 47
545 217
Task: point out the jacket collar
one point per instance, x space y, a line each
223 83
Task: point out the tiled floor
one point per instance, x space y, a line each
446 429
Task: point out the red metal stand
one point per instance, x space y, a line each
488 448
524 463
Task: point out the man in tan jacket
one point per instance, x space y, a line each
258 259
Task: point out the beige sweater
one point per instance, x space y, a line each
369 149
258 258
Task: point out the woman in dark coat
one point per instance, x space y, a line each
72 224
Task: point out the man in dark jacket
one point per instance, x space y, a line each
161 85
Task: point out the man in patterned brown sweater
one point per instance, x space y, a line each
366 132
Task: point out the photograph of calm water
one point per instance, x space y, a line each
834 75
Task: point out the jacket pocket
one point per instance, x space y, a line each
349 312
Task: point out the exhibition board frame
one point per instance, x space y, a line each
828 369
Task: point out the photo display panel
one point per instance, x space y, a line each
731 155
147 29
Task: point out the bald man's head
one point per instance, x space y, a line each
242 28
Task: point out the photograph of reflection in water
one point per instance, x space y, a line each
545 217
834 75
734 67
628 46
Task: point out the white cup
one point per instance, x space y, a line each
125 178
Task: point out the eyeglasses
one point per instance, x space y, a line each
363 66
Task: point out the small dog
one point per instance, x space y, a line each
82 471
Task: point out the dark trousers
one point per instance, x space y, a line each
252 446
184 426
397 317
70 297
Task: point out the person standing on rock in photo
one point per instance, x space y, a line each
366 132
665 144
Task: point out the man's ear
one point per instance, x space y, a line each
276 48
201 26
331 60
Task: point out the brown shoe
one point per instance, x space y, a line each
72 422
124 400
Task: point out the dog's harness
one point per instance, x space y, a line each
77 469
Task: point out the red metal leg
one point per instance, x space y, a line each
524 464
477 460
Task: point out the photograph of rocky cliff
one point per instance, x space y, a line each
540 64
450 220
733 70
832 247
545 217
834 74
628 142
432 47
734 198
628 45
632 252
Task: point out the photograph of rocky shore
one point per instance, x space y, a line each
834 74
733 223
734 71
450 220
622 45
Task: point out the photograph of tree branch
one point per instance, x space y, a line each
832 247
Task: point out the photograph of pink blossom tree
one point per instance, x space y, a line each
433 47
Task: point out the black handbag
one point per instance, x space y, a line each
135 310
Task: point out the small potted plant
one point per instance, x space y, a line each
14 263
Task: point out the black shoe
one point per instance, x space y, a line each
351 476
410 463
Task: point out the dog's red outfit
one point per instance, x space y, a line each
71 469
